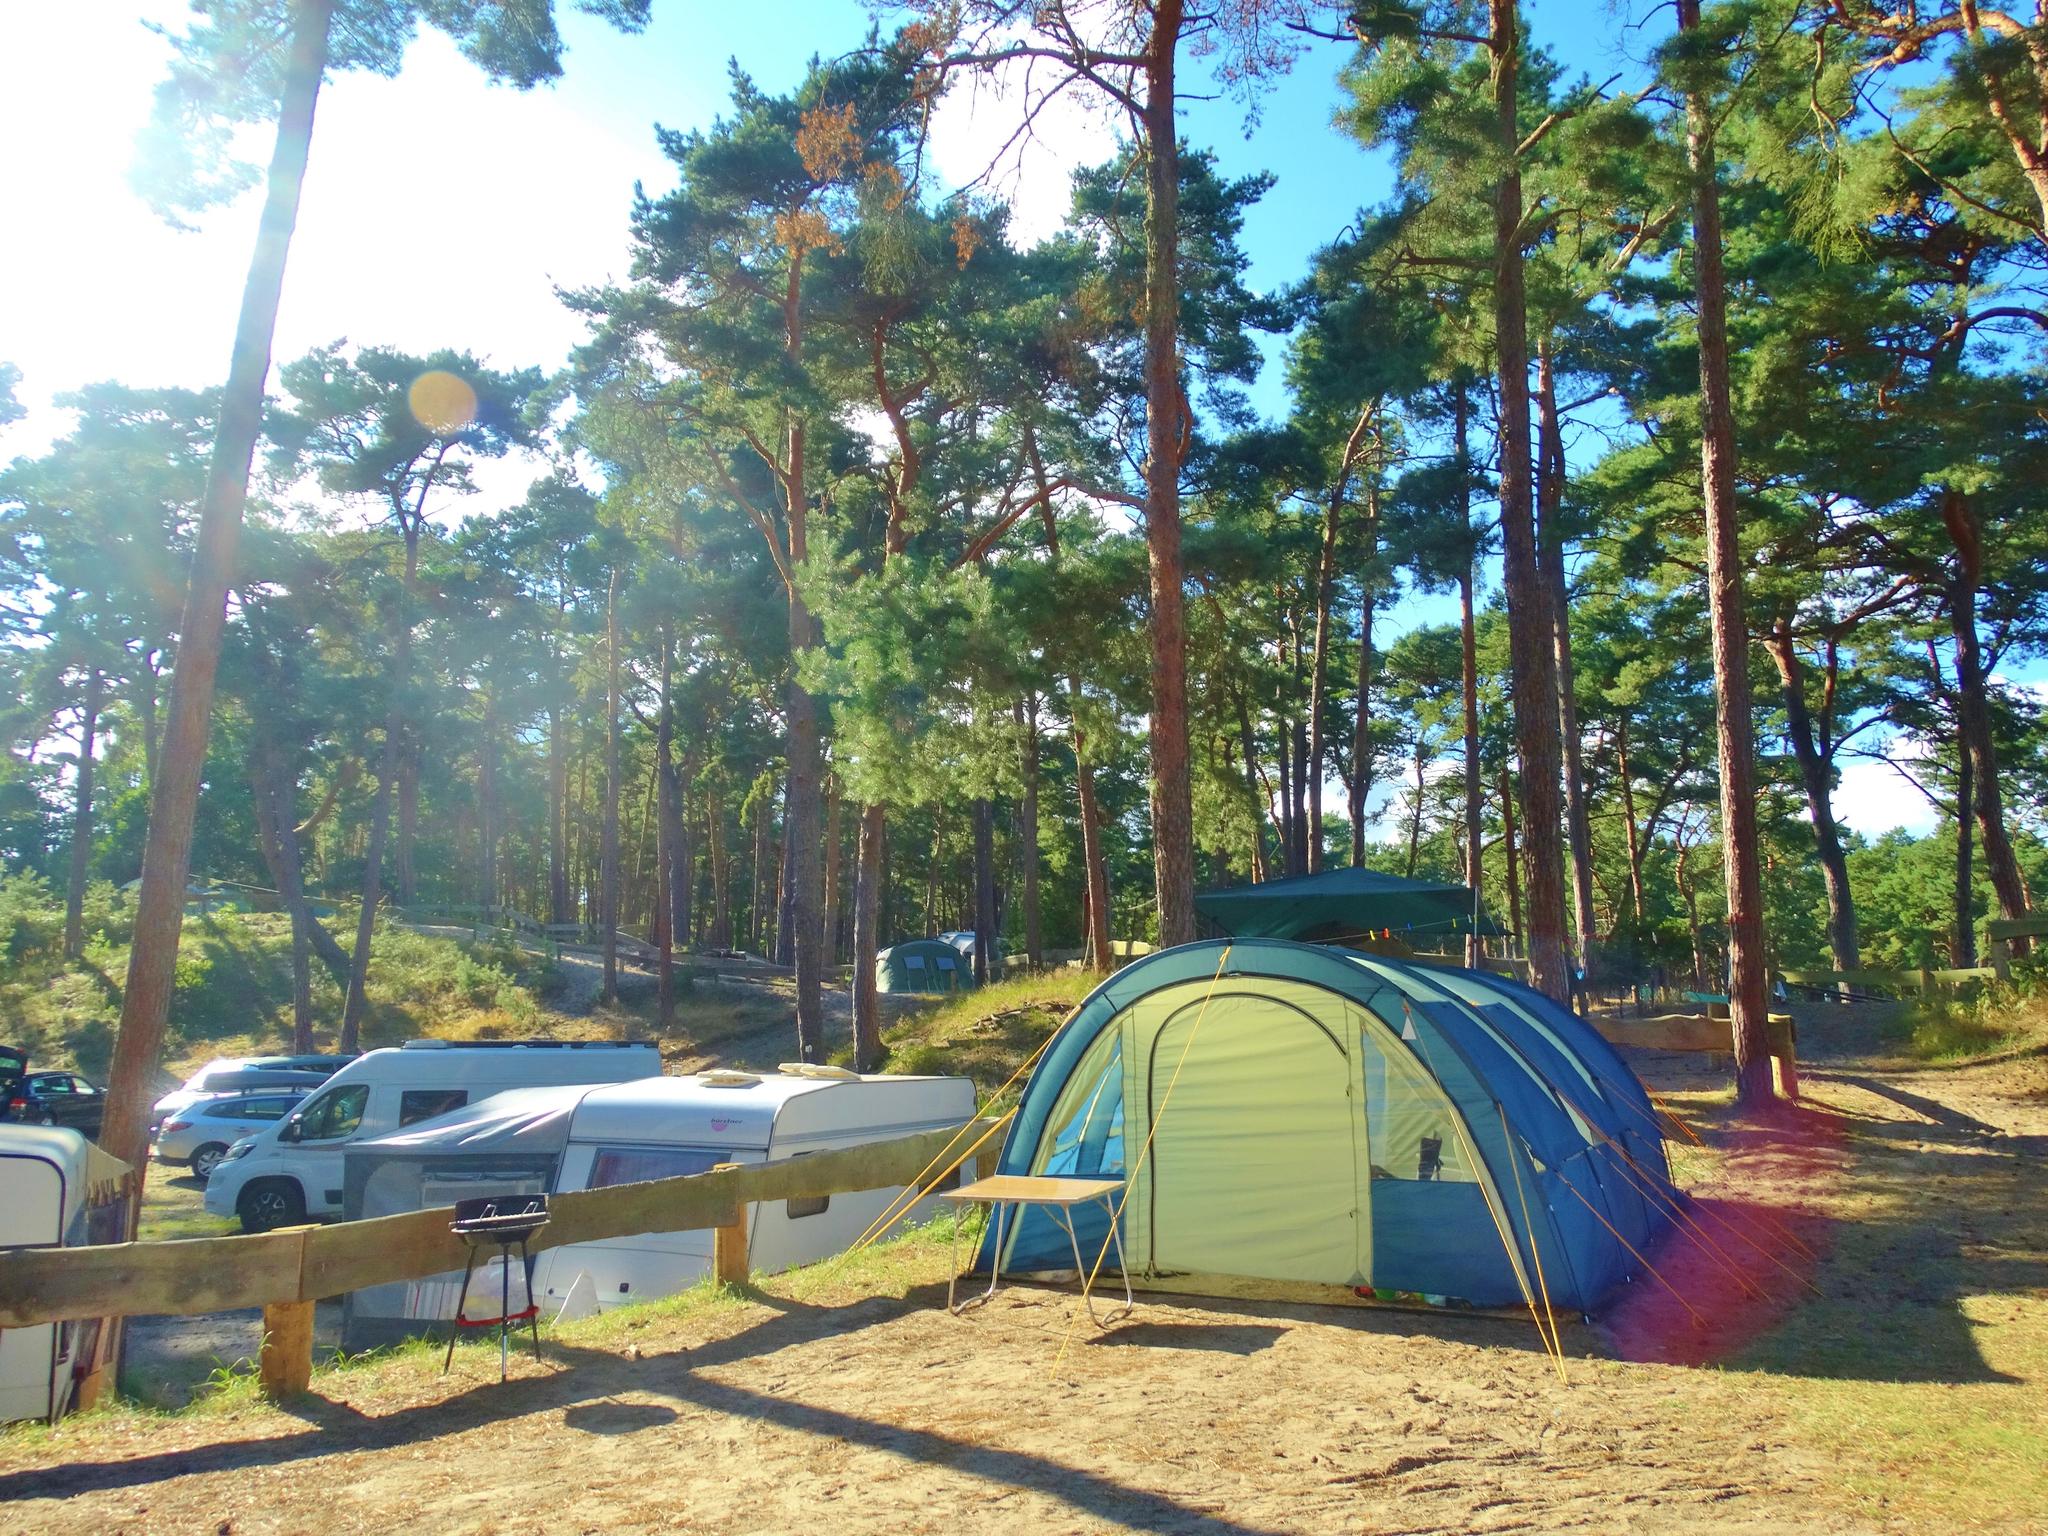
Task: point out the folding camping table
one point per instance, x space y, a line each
1057 1197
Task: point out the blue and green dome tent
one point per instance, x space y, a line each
1323 1117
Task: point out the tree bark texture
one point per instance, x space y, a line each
1532 662
1166 426
1734 715
174 791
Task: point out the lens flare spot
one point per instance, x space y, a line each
442 401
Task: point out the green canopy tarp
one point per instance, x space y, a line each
1342 903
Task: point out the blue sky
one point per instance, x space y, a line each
441 211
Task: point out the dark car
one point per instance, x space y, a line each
57 1098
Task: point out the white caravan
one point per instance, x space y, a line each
46 1175
294 1170
565 1140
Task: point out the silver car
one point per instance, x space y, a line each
199 1134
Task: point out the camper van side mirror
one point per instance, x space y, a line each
289 1131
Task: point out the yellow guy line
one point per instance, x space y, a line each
1131 1179
1489 1194
912 1193
1535 1248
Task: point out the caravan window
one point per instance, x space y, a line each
637 1165
417 1104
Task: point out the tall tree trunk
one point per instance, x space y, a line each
356 1003
1305 835
1094 859
558 817
1319 678
757 909
1963 941
1625 777
1816 774
984 890
1415 810
668 826
721 873
785 897
1475 780
1533 665
1361 750
829 922
174 789
272 792
931 883
1513 858
1094 869
801 819
1468 637
1027 831
1550 482
1734 715
867 907
1166 428
1290 864
144 700
277 840
1973 712
487 803
608 854
408 816
81 818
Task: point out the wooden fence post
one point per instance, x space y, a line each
729 1244
285 1368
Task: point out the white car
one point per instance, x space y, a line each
198 1136
293 1170
246 1074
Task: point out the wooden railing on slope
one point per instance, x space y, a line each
1694 1032
286 1272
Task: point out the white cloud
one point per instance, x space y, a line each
1873 797
980 137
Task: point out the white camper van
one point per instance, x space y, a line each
44 1175
565 1140
294 1170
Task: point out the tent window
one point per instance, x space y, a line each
1084 1136
1409 1132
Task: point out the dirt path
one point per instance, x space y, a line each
1879 1338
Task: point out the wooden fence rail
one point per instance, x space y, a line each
303 1264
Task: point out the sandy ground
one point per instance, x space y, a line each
880 1414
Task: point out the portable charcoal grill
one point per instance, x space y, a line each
504 1222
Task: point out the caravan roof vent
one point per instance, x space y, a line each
725 1077
817 1069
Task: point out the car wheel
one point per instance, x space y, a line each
270 1204
206 1159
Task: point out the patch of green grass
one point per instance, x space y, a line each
985 1034
1997 1019
234 988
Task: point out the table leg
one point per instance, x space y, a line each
1066 1219
1117 1237
995 1268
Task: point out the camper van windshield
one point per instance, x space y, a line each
334 1114
636 1165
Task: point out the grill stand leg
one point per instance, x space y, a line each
455 1328
533 1308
